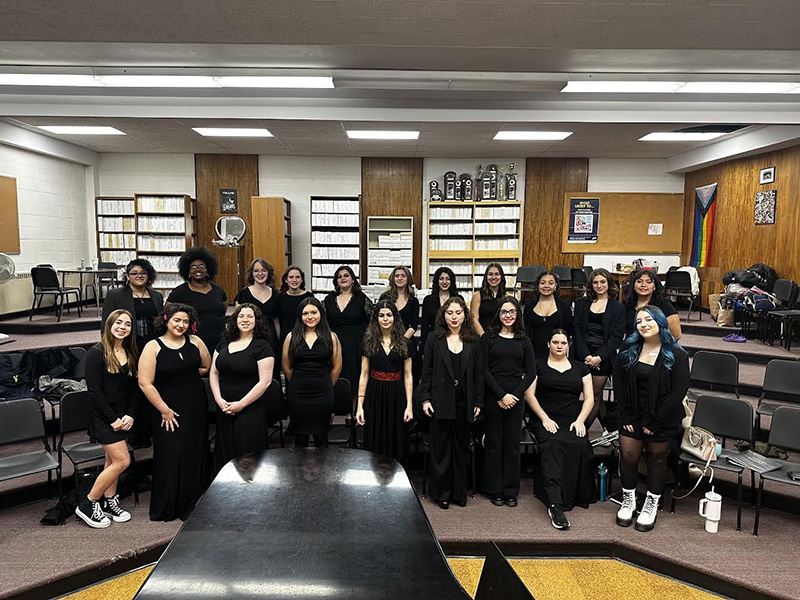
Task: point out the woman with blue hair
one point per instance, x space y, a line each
651 378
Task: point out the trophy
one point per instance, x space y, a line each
477 189
511 185
450 185
435 192
489 183
459 189
501 184
466 187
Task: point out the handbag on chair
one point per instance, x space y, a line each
700 443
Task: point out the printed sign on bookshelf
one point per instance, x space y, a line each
228 201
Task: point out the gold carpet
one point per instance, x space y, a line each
547 579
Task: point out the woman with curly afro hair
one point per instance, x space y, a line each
198 267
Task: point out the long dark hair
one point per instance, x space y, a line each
285 286
355 290
373 336
298 333
232 333
467 332
629 295
270 272
632 346
160 322
392 293
536 283
486 290
496 326
612 285
128 344
453 289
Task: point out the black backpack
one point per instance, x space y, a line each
766 276
11 388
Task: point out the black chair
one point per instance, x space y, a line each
80 368
22 421
672 268
775 321
783 433
526 277
109 280
342 433
46 283
564 275
724 417
782 383
76 416
679 284
588 270
276 410
714 369
580 282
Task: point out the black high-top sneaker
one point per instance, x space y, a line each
114 511
91 513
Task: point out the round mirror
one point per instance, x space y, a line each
230 229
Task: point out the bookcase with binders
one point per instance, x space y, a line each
389 244
335 239
116 229
467 236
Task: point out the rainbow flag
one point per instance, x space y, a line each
705 207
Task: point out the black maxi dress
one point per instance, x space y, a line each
310 391
179 456
409 315
210 308
349 326
384 406
268 310
564 477
245 431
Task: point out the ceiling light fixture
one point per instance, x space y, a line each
532 135
48 79
623 87
81 130
232 132
675 136
158 81
737 87
355 134
275 82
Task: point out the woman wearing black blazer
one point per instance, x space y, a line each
599 329
143 303
452 395
444 287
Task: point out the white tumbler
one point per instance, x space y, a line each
711 510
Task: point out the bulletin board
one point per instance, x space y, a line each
627 223
9 217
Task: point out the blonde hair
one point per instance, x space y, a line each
128 344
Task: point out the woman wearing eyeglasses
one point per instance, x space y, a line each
143 303
260 292
198 267
510 371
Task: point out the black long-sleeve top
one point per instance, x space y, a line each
666 389
113 395
507 360
430 306
539 328
440 377
613 328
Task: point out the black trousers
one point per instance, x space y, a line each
501 459
450 457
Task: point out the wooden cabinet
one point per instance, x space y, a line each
271 231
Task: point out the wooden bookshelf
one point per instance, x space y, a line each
390 242
272 231
115 217
335 239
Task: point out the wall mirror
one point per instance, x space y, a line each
230 229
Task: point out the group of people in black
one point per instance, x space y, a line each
487 361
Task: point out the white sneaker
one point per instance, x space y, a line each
114 511
91 513
647 518
625 512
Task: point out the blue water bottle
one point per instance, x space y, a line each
602 483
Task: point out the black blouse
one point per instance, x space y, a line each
509 361
113 395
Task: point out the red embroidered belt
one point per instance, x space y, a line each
384 376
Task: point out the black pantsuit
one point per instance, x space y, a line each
450 457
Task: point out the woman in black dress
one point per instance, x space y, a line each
546 312
144 303
312 361
510 371
643 288
348 311
651 378
598 332
261 293
291 294
401 294
444 288
241 371
170 372
564 478
452 395
111 381
198 267
485 302
386 384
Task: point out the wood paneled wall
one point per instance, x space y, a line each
214 172
546 182
737 241
392 187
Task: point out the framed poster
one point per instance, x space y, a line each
766 176
584 220
765 207
228 201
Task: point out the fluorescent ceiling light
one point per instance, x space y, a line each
81 130
623 87
48 79
676 136
532 135
382 135
737 87
231 132
275 82
158 81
